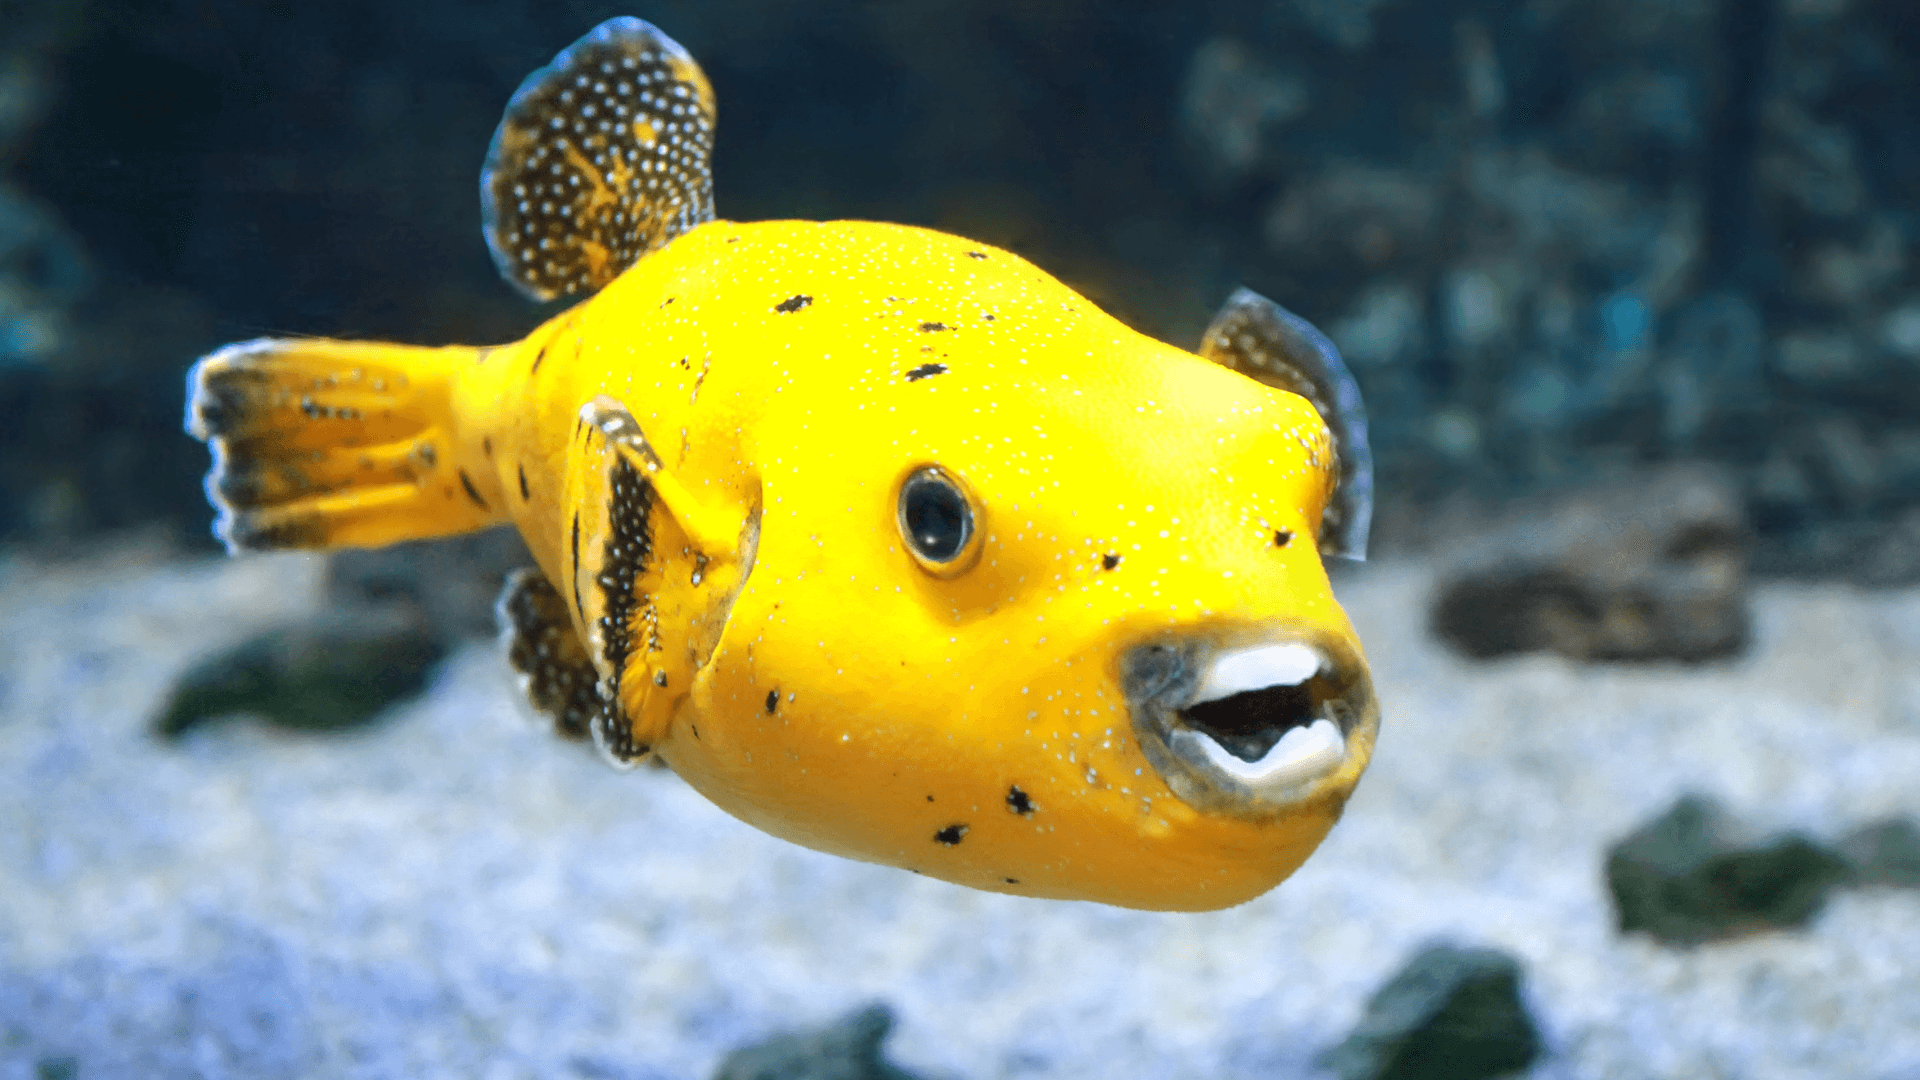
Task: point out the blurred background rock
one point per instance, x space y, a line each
1559 241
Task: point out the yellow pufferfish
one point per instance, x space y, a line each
884 540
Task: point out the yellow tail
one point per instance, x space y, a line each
320 444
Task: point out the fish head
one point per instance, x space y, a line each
1051 621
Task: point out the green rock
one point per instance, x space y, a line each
847 1049
337 671
1884 853
1451 1014
1694 875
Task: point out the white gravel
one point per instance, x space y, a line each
454 893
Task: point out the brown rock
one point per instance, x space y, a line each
1649 569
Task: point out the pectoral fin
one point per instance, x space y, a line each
655 572
1260 339
712 534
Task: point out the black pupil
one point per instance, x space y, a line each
937 517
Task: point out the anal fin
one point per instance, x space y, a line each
557 672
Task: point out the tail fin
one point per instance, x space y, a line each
320 444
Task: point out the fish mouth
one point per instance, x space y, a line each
1255 729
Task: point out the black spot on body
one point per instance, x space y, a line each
925 371
976 254
1282 537
524 492
1109 561
486 445
1019 801
950 835
988 316
793 303
929 327
473 492
538 359
1011 880
773 700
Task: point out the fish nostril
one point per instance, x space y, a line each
1248 724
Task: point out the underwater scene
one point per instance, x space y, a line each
960 539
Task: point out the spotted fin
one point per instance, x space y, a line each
602 156
557 674
654 575
322 444
1259 338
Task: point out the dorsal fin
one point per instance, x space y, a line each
1259 338
602 156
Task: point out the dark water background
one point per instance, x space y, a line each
1557 239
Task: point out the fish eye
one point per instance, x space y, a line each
937 519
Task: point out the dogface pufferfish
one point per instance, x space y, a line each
883 539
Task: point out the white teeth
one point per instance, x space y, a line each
1301 756
1257 668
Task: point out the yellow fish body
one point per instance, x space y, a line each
883 539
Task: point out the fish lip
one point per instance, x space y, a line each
1165 679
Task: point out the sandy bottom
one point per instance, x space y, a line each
453 893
